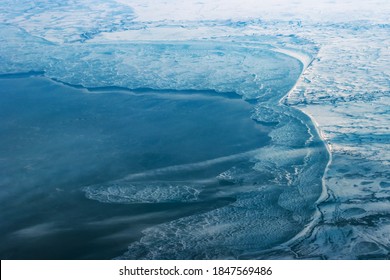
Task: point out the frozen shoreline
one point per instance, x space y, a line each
306 60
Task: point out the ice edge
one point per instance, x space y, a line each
306 60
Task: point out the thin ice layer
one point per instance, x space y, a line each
247 69
146 192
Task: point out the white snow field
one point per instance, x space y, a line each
344 89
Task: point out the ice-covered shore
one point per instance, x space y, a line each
347 92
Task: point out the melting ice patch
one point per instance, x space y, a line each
252 223
153 192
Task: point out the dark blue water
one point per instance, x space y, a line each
59 145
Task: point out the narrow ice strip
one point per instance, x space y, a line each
304 57
128 192
192 166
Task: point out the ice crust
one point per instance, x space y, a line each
66 21
345 91
220 66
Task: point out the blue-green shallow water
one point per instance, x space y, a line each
56 140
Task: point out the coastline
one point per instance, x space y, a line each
307 60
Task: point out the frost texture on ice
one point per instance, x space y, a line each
347 92
66 21
220 66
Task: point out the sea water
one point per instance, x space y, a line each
57 139
165 173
